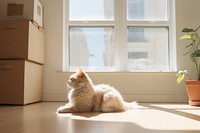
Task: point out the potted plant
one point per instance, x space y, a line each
193 50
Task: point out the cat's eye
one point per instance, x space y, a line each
72 79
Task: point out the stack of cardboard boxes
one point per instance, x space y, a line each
21 51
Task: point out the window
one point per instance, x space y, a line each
119 35
92 48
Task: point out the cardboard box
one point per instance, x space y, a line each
21 40
22 9
20 82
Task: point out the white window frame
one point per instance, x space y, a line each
120 24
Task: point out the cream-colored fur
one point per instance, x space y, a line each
86 97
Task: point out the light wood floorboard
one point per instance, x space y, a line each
146 118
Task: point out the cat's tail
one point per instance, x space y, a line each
130 105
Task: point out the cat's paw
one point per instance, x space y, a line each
63 109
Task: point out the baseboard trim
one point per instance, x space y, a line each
54 97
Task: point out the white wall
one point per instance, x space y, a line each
142 87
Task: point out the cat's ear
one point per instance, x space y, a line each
79 72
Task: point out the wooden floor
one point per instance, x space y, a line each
147 118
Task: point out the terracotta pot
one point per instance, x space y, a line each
193 89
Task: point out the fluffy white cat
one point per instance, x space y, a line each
86 97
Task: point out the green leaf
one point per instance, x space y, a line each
192 36
180 77
187 30
195 54
198 53
186 37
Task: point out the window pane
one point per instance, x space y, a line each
151 52
92 48
147 9
91 9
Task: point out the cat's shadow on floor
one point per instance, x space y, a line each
87 114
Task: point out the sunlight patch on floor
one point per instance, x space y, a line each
150 116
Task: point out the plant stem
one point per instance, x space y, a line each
197 67
197 29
